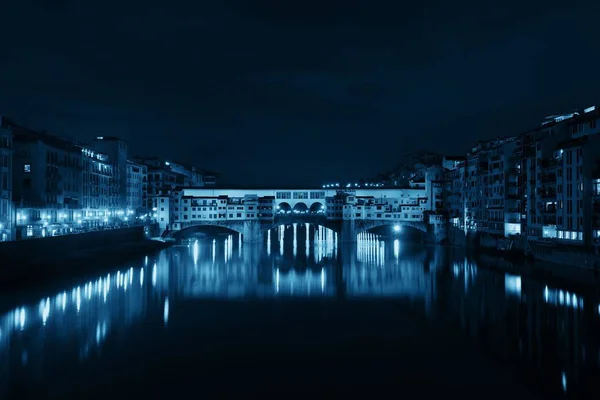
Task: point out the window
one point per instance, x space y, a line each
27 168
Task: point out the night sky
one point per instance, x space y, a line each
295 92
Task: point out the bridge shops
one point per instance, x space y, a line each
253 212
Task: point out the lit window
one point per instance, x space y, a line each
27 168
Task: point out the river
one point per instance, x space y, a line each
301 314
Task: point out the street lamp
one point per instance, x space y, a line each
396 228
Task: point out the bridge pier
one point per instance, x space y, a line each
348 231
252 232
437 231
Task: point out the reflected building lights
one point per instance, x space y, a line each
95 310
562 298
214 250
295 239
300 283
281 239
512 284
166 311
370 249
196 252
85 304
307 241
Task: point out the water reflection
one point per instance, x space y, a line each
73 323
551 332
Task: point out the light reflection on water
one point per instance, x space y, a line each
554 330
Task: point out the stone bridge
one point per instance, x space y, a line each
253 230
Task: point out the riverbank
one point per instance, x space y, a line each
553 261
40 261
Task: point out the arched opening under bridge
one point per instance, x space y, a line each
205 232
284 208
300 208
410 232
317 208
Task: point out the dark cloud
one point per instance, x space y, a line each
322 89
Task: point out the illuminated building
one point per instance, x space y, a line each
47 184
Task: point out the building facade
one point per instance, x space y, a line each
46 183
7 216
188 206
101 188
61 187
542 185
137 186
163 176
116 151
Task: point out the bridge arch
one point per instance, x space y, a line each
301 219
317 207
203 227
365 225
283 207
300 207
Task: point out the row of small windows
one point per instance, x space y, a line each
406 216
217 216
300 195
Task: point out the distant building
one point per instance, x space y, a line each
165 175
187 175
137 186
101 198
6 208
452 162
116 150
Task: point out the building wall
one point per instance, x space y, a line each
101 187
116 150
6 205
136 184
542 185
59 186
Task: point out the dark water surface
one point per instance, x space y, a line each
380 318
